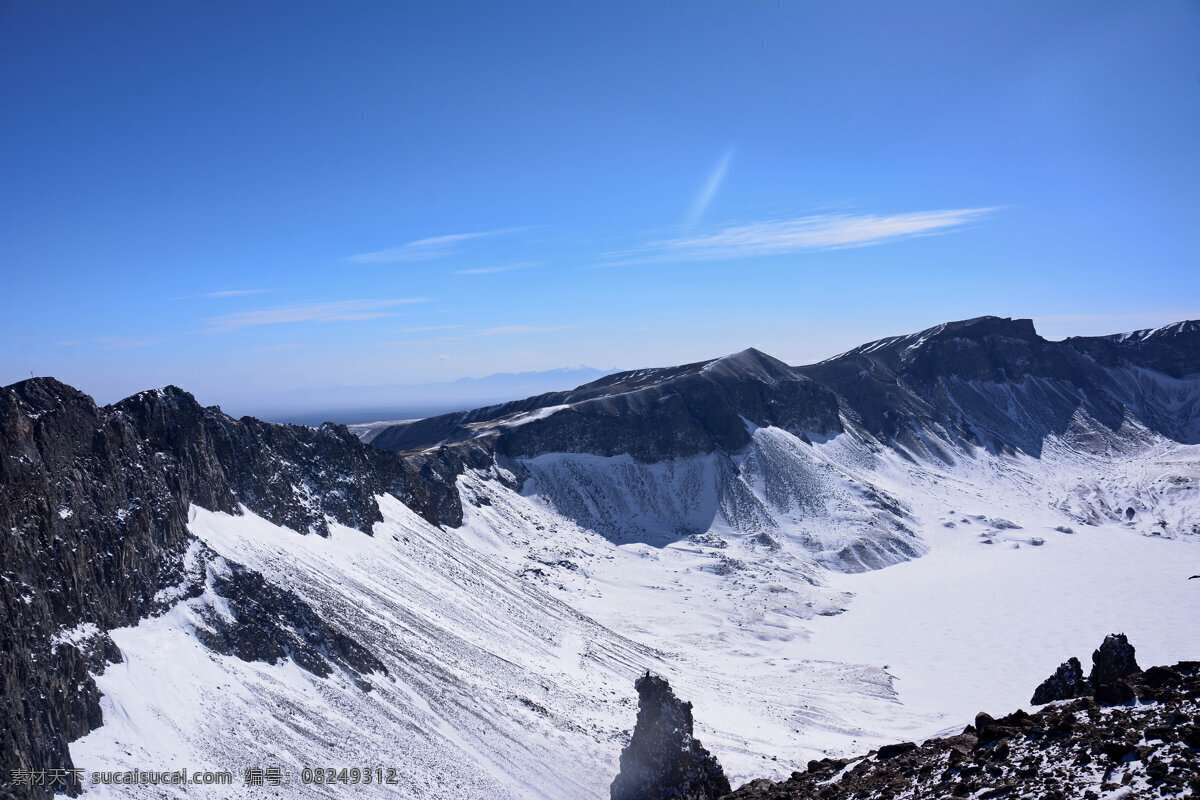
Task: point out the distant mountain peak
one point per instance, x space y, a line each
752 363
46 393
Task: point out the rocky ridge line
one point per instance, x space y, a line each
93 527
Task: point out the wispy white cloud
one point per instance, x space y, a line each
710 188
508 329
816 232
234 293
425 249
501 268
336 311
428 328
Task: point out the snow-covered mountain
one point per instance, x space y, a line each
822 558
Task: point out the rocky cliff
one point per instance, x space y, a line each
93 531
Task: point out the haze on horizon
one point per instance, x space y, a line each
254 199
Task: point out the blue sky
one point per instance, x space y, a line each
250 198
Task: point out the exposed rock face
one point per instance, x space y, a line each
663 761
1172 349
996 383
93 524
1078 750
1112 663
1113 660
1066 682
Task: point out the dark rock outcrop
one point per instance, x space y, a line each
1172 349
663 760
1112 664
1113 661
93 524
1066 682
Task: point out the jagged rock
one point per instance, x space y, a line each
1113 660
1112 663
93 525
1066 682
663 760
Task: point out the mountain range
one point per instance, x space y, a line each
825 558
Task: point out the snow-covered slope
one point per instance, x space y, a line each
510 644
484 686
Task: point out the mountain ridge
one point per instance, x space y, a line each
872 386
743 458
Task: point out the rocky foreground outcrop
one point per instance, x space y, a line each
1088 747
663 760
1112 663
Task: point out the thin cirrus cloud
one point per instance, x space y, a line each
501 268
234 293
815 232
336 311
428 328
710 189
425 249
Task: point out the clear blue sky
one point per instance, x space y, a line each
250 197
